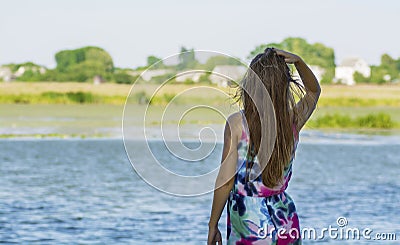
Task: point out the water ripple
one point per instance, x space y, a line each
85 191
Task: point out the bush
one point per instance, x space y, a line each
359 78
53 96
205 78
188 81
163 78
81 97
333 121
380 120
162 99
74 97
124 78
141 98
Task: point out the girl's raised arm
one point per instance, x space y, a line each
307 104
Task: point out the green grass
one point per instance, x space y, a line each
141 97
358 102
371 120
52 97
82 108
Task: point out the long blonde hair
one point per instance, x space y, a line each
271 71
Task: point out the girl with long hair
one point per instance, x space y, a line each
257 161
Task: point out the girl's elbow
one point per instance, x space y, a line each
226 184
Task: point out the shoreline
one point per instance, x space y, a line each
307 136
105 121
359 110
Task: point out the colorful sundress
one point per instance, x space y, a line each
258 214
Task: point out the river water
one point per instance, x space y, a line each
85 191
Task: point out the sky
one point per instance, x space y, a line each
132 30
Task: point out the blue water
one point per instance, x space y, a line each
86 192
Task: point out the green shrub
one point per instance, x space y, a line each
162 99
163 78
168 97
188 81
141 98
333 121
74 97
124 78
81 97
380 120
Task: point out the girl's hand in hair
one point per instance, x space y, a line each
289 57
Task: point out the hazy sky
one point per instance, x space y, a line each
131 30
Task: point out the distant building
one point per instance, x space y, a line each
98 80
21 71
6 74
149 74
317 70
222 75
42 70
344 73
189 75
133 73
35 69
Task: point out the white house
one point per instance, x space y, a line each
317 70
97 80
189 75
344 73
6 74
223 74
21 70
149 74
36 69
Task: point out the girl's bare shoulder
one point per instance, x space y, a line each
235 118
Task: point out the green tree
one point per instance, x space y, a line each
187 59
214 61
390 65
359 78
154 61
124 76
205 78
313 54
388 70
32 73
378 74
83 64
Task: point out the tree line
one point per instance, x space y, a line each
85 63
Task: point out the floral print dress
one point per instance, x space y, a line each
258 214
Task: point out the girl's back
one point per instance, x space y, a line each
256 212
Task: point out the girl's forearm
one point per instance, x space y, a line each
307 76
220 197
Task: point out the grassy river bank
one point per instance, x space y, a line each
88 110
